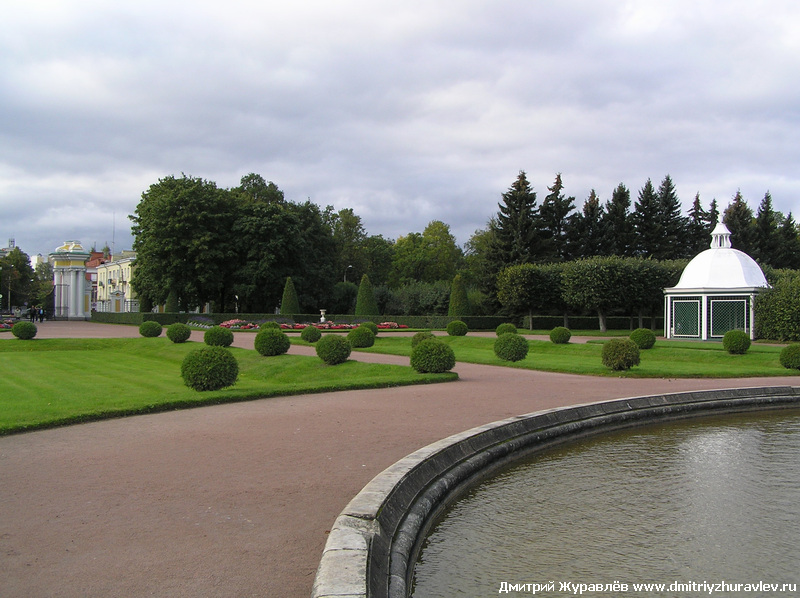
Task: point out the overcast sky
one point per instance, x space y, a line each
405 111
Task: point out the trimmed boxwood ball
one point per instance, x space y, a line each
178 333
736 342
644 338
361 337
333 349
511 347
457 328
269 342
371 325
270 324
217 336
620 354
560 335
209 368
24 330
421 336
150 329
505 328
790 357
432 357
310 334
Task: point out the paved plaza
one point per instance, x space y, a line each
236 499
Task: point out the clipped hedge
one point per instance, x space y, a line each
150 329
736 342
310 334
217 336
209 368
271 341
505 328
432 357
511 347
620 354
178 332
361 337
790 357
457 328
333 349
644 338
372 326
24 331
421 336
560 335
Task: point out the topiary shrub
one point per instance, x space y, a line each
333 349
560 335
511 347
457 328
790 357
150 329
505 328
371 325
269 342
361 337
736 342
24 330
421 336
209 368
271 324
644 338
217 336
310 334
432 357
620 354
178 332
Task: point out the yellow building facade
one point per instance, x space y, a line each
114 291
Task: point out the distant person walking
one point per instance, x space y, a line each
32 312
41 314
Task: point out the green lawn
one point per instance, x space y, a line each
668 359
48 382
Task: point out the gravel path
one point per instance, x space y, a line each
236 500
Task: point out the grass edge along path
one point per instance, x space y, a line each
667 359
54 382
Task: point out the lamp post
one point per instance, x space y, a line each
345 272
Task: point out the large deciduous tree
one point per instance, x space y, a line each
182 240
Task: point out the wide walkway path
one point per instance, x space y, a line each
236 500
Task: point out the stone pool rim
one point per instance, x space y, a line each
374 542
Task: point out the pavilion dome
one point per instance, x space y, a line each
722 267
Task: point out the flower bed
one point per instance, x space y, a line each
6 324
237 324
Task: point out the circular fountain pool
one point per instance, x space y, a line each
708 500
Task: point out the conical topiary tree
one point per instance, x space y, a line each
459 304
171 306
290 305
365 302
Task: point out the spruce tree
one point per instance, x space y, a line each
290 305
674 242
647 220
517 236
738 217
365 302
553 214
586 234
459 303
699 234
767 237
619 234
788 255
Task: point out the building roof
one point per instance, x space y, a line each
721 267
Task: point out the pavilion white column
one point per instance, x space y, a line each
704 317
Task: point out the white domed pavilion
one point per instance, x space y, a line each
715 294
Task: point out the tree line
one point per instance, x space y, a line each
198 243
